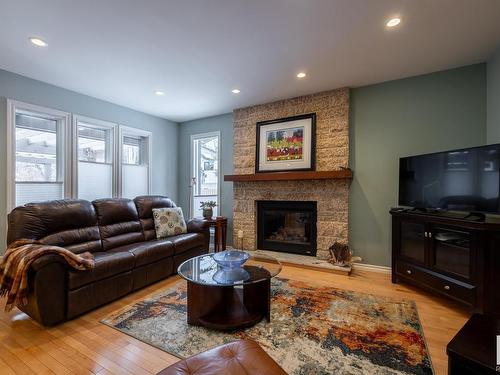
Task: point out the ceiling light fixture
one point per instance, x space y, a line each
235 91
393 22
301 75
160 92
38 42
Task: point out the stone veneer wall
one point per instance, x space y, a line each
332 152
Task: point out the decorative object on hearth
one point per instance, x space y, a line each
313 330
240 239
341 255
208 208
286 144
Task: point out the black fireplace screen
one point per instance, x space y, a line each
287 226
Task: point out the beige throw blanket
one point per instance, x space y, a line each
16 263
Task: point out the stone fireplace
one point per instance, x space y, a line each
332 153
287 226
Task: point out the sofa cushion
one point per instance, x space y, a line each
145 205
187 241
98 293
70 223
107 264
169 222
149 251
118 222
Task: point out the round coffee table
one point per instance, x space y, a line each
228 300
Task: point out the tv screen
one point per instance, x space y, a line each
458 180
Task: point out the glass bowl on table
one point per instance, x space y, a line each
231 259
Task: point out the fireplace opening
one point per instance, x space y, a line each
287 226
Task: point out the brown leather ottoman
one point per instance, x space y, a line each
243 357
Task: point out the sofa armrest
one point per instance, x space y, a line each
45 260
47 295
200 226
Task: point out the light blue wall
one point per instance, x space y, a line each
428 113
224 124
164 163
493 109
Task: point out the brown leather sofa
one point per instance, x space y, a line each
243 357
119 232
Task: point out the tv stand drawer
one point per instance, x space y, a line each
441 284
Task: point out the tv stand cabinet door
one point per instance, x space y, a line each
453 251
413 241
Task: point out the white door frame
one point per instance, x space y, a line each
192 171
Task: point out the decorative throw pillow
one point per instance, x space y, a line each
169 222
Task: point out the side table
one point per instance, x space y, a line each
220 225
473 349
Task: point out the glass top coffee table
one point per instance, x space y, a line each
228 300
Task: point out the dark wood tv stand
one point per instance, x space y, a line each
445 253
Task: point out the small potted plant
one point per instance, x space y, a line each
207 207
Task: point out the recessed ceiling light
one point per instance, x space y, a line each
393 22
38 42
301 75
235 91
160 92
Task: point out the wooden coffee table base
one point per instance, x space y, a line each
229 307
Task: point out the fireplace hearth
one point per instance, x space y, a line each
287 226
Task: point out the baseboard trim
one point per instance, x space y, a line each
371 268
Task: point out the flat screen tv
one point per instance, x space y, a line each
458 180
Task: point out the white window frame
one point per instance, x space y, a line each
192 172
64 120
116 163
67 127
134 132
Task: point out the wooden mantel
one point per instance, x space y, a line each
342 174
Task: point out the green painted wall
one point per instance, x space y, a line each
224 124
493 90
428 113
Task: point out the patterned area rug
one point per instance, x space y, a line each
313 330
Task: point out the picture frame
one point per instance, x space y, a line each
286 144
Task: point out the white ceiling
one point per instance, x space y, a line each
199 50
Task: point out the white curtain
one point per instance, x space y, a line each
134 180
94 180
38 192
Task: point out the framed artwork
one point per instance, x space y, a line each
286 144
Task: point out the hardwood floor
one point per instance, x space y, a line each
85 346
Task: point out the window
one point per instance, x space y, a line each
135 162
51 157
36 154
205 171
132 150
96 167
